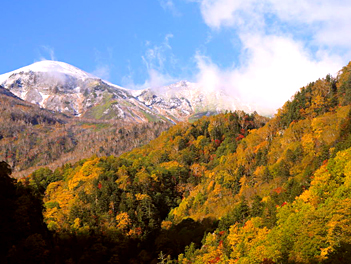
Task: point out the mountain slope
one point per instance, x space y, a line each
64 88
267 193
61 87
31 136
131 195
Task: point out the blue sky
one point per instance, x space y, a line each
107 37
261 51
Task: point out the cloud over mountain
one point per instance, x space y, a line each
283 44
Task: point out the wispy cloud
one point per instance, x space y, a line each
103 62
169 6
47 53
155 59
102 71
156 56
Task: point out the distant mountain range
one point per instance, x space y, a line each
61 87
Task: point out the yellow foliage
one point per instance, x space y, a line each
262 145
142 177
259 171
213 251
266 199
210 186
308 143
248 242
154 177
123 221
324 253
305 196
64 198
76 224
197 170
171 164
199 142
53 187
326 128
87 173
343 112
141 197
52 225
343 75
123 178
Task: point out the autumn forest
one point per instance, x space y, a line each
230 188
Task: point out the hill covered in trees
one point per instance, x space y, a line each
31 137
232 188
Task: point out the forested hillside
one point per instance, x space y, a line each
292 200
232 188
31 137
130 197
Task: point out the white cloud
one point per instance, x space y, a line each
169 5
210 77
102 71
276 68
229 13
49 52
328 21
154 59
276 57
157 80
103 62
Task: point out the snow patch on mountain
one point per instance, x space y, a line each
185 98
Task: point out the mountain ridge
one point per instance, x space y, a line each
61 87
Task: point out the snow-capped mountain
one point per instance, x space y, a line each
61 87
48 66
